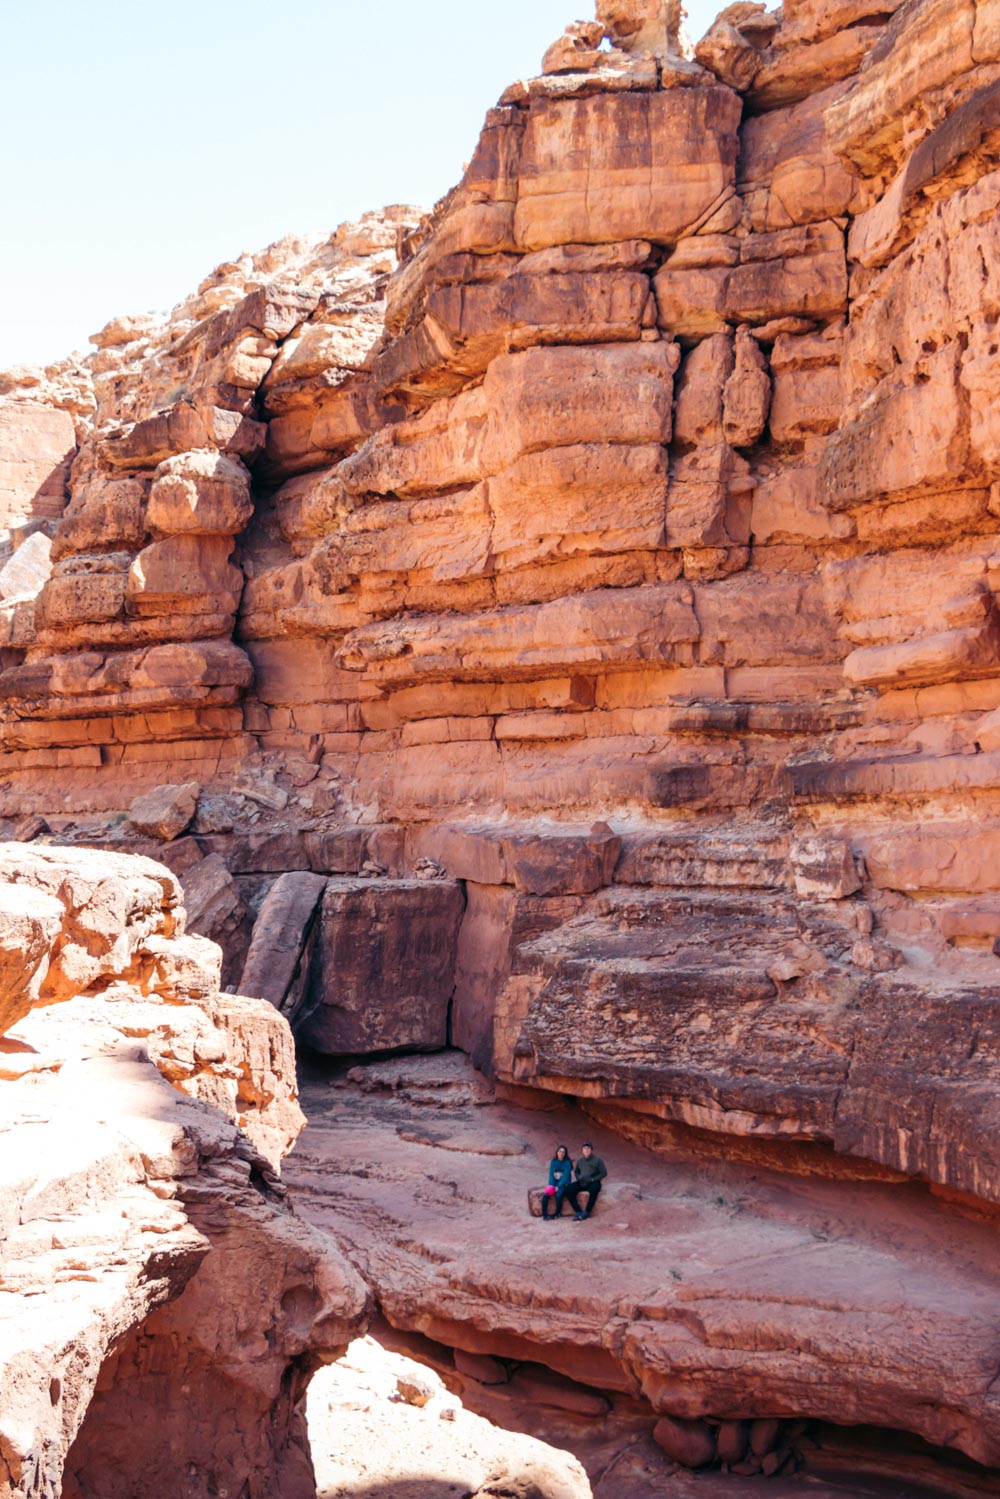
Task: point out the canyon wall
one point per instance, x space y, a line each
565 626
625 554
162 1309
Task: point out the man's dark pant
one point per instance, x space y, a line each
573 1193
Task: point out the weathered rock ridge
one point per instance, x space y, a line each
564 627
161 1310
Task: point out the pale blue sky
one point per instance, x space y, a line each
145 143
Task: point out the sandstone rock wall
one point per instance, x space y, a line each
656 484
120 657
618 543
162 1309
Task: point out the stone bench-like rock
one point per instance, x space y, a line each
614 1194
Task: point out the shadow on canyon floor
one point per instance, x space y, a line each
681 1485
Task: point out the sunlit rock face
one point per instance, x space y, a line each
163 1309
563 627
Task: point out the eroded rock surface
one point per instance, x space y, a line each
589 591
698 1288
161 1308
378 1419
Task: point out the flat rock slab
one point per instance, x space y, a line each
715 1293
543 859
486 1141
384 966
275 966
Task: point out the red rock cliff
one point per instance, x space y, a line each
594 585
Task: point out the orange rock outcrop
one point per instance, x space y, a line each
162 1309
588 591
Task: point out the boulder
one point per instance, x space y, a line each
732 1441
640 25
166 811
277 962
413 1390
733 45
481 1367
384 966
28 569
690 1443
201 493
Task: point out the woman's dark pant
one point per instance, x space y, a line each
573 1193
556 1203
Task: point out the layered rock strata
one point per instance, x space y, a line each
717 1295
161 1309
120 653
590 589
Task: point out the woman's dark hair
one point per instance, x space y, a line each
561 1147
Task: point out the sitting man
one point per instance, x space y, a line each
590 1173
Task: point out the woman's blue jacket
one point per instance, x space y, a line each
560 1173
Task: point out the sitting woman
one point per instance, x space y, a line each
560 1178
